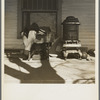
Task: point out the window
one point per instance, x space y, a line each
27 8
39 5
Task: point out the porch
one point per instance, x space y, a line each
54 70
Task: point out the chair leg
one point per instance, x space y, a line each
26 54
30 55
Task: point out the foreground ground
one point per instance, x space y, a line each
54 70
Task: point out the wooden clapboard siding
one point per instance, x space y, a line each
84 10
13 46
11 41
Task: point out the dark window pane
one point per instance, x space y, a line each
49 4
35 5
54 5
29 4
26 19
40 4
45 4
24 4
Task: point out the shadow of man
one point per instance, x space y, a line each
43 74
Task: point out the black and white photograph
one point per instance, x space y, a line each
49 41
49 49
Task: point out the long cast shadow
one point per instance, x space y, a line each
44 74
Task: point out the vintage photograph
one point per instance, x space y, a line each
49 41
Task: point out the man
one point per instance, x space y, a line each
29 37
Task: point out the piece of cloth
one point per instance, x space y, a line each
30 40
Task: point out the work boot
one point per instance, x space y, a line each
26 54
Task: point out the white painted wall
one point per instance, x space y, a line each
11 41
